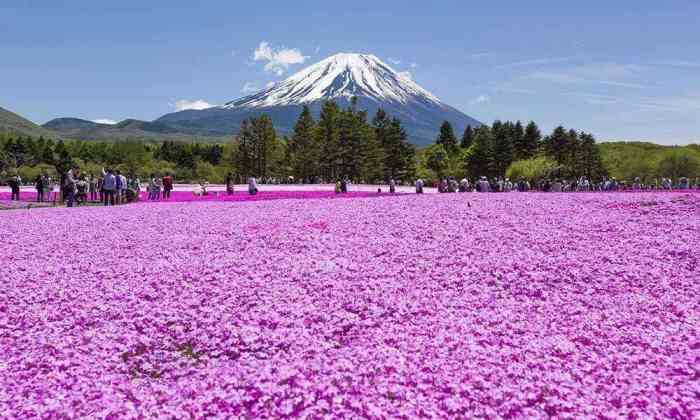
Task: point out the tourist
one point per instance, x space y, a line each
392 186
344 184
557 186
39 185
338 188
15 182
133 188
119 189
483 185
203 186
82 187
69 186
109 187
167 186
252 186
93 187
229 183
153 188
419 186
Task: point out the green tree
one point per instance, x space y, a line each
479 159
447 138
502 151
678 163
467 137
328 138
304 151
437 159
531 141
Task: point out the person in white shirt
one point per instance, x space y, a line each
252 186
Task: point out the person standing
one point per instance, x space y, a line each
167 186
119 187
252 186
484 185
93 187
419 186
15 182
229 183
392 186
39 184
69 185
109 186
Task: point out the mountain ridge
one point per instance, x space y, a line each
337 78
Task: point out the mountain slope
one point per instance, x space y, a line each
337 78
130 129
13 124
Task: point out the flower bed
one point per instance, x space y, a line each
448 306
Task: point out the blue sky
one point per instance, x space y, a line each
624 69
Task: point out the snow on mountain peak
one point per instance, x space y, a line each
341 75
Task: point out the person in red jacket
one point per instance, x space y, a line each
167 186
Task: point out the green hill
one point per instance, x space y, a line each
12 124
627 160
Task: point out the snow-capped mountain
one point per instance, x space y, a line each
338 78
341 76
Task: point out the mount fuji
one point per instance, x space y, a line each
337 78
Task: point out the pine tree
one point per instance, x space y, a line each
303 148
479 161
556 145
399 154
591 162
467 137
502 147
518 139
447 138
531 141
327 134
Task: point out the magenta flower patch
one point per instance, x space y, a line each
514 305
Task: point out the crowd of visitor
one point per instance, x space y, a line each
483 184
112 187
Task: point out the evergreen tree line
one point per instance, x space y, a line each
492 151
346 143
342 143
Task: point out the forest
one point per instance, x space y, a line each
346 142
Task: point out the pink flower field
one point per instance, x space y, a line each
434 306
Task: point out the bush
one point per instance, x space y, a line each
534 169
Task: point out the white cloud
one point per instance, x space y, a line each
270 84
394 61
317 50
414 65
250 87
278 61
198 104
104 121
406 75
609 74
481 99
